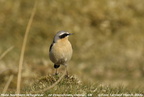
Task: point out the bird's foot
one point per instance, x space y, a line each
56 73
66 76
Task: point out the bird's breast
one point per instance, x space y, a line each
61 51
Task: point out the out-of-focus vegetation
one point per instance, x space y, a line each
108 41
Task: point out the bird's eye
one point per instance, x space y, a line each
63 35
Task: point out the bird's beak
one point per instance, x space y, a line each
70 33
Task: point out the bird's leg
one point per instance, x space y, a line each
56 67
56 72
66 70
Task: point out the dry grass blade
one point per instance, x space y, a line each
46 89
7 84
23 48
4 53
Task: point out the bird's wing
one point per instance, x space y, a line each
51 47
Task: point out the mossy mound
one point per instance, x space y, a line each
48 80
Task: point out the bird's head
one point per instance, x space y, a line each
61 35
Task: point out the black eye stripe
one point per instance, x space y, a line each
63 35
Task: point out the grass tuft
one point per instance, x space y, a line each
48 80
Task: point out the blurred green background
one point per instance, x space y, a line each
108 40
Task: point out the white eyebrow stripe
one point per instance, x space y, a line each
63 33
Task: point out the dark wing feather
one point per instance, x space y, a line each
50 47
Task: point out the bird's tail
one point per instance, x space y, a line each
56 66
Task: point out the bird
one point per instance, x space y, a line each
60 51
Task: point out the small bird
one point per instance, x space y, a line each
60 51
